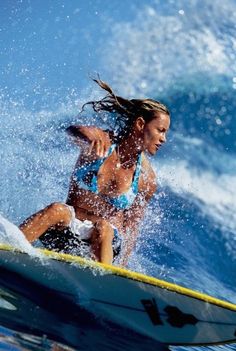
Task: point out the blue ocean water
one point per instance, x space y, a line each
180 52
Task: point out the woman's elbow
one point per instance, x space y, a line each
72 130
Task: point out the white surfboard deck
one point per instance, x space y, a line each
162 311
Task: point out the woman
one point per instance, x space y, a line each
112 181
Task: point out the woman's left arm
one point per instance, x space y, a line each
132 219
134 215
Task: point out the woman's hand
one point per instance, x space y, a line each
98 147
99 140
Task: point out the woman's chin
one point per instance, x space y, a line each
151 151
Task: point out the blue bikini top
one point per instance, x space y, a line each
86 178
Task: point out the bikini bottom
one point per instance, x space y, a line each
66 241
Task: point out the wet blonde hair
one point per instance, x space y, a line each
127 111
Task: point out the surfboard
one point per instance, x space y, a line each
92 294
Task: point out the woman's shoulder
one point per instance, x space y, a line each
148 177
147 167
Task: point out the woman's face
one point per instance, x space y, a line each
154 132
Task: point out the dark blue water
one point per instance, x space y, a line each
182 53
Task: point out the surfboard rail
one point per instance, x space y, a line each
130 275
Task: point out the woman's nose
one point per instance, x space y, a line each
163 137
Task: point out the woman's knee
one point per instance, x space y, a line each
60 212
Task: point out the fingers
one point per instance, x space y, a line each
91 147
98 148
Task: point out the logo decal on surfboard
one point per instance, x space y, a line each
175 317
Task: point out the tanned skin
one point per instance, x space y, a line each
114 178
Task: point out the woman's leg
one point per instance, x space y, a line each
101 238
37 224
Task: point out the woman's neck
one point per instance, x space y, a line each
128 151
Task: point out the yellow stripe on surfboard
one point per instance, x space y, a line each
130 275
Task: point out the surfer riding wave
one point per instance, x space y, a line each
111 184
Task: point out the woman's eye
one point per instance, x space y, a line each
163 131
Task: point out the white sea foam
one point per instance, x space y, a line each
37 157
215 195
163 47
12 235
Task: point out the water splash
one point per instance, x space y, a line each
177 44
11 235
212 193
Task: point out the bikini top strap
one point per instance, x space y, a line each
93 166
137 174
111 149
98 163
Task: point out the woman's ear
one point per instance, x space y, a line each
139 124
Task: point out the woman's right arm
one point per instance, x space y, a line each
97 140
